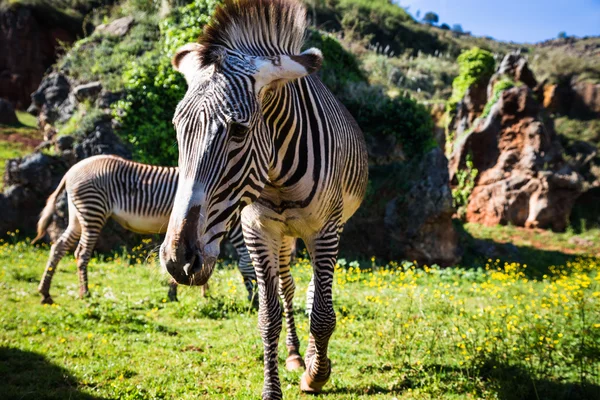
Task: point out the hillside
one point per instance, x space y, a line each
397 77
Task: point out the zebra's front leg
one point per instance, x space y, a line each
172 295
264 250
323 250
287 288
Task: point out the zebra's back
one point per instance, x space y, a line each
139 196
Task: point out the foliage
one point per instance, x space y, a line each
563 62
572 130
402 331
466 178
445 27
562 35
475 66
103 57
340 66
400 117
154 88
83 122
425 77
499 87
380 23
431 18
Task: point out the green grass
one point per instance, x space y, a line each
17 140
402 332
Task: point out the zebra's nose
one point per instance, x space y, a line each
183 261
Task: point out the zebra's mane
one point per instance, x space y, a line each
254 27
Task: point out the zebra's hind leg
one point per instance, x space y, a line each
323 250
172 295
244 263
89 237
287 287
248 275
65 242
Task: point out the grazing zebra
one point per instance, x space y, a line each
260 137
139 196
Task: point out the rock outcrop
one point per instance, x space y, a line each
7 113
407 213
575 99
29 38
523 179
31 179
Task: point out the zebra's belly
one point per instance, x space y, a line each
141 223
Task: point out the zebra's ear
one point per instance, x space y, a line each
188 60
288 68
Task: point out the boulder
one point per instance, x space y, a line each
53 100
523 179
579 100
586 100
102 140
7 113
470 107
88 91
118 27
407 214
29 38
28 183
515 67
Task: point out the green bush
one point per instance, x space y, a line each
466 183
499 87
379 115
378 22
339 65
475 65
153 88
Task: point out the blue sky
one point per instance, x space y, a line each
517 20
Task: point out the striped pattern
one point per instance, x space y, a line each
139 196
260 137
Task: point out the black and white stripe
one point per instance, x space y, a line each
139 196
261 137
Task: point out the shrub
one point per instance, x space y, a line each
499 87
475 65
466 182
380 115
339 65
154 88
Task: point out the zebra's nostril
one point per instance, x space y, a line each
190 266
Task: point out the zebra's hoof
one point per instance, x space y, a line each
294 362
173 298
314 385
47 299
309 385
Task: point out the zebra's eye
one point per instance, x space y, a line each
237 131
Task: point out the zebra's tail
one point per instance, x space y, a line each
46 215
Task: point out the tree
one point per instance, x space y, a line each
445 27
457 28
431 18
562 35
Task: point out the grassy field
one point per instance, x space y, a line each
403 332
18 140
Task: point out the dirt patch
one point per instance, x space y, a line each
27 137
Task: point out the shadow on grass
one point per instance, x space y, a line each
506 381
477 252
28 375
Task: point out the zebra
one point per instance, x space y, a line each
260 137
138 196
